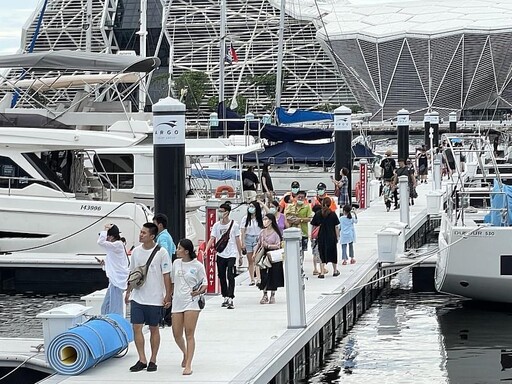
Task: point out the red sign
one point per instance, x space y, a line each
209 262
363 177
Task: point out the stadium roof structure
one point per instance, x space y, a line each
424 55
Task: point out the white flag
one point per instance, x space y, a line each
234 104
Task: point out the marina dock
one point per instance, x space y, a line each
252 344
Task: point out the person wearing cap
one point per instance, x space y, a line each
116 267
295 188
321 194
298 214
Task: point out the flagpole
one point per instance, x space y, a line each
222 59
279 77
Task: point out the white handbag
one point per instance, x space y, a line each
276 255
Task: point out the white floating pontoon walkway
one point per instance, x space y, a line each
251 344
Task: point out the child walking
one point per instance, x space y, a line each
387 193
348 233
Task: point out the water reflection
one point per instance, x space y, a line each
424 338
18 313
478 342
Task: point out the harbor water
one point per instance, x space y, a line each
424 338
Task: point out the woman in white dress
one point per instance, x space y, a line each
188 279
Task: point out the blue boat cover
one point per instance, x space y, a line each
288 134
305 153
301 116
88 344
216 174
500 201
270 132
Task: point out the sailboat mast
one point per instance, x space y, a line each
280 48
223 11
142 41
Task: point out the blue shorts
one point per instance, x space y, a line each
250 242
145 314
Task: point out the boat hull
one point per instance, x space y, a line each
475 262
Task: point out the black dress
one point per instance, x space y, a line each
327 240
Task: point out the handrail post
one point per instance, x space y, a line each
403 185
295 287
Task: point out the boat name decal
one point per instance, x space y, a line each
87 207
474 234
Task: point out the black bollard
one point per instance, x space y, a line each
169 163
434 123
402 130
426 124
453 122
343 141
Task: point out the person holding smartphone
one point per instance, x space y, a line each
115 266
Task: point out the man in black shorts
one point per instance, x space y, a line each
147 301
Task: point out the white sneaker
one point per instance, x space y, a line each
230 304
225 303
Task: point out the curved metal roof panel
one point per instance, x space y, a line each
376 20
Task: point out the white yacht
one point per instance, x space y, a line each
41 213
475 258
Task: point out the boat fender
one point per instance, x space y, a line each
224 190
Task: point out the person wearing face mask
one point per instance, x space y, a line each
321 195
277 211
227 258
299 214
295 188
271 278
251 226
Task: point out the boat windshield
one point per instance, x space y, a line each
47 173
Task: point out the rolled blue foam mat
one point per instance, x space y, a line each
88 344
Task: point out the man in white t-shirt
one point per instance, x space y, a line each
227 258
147 301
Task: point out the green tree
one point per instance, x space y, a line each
190 87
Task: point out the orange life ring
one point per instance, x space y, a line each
358 191
223 190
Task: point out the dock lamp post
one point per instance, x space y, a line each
426 125
434 123
343 141
214 122
402 131
169 154
452 118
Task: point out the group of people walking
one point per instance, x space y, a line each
391 174
179 283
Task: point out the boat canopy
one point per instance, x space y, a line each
305 153
80 61
301 116
501 201
216 174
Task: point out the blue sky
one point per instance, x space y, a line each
13 15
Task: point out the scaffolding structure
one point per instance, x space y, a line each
192 43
